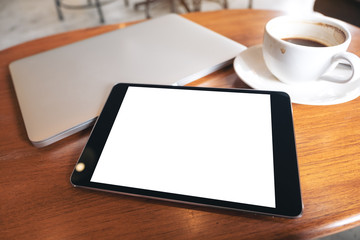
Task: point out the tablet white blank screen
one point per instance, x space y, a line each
209 144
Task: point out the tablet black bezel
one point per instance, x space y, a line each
287 184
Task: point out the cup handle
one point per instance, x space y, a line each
351 59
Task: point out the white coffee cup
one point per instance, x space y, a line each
293 63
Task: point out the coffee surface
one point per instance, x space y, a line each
305 42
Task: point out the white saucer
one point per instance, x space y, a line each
250 67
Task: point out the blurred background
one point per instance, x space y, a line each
24 20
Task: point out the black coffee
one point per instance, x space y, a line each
305 42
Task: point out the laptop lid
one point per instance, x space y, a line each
62 91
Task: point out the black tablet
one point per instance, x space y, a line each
226 148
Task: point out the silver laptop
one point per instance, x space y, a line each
62 91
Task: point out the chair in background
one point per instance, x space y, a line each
197 4
346 10
172 6
90 4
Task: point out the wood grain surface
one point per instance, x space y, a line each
37 200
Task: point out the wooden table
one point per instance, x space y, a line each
37 200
